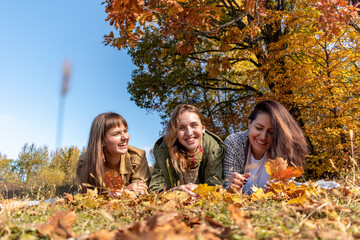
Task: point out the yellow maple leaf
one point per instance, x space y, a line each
206 191
299 200
275 166
258 194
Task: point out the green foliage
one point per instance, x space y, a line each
64 160
31 160
7 173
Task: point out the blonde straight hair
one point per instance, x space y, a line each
176 150
93 171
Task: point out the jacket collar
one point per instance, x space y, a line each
125 164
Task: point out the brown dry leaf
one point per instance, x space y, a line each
208 228
59 225
174 200
69 197
325 234
12 205
2 221
160 226
243 221
103 234
275 166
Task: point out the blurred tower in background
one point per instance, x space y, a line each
64 90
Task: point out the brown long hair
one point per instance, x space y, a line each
93 171
287 138
176 150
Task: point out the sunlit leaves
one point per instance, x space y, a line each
279 170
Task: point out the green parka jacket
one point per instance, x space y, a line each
210 169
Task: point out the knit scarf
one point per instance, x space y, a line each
195 157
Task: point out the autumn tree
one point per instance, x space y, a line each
336 13
7 173
223 56
64 159
328 65
31 160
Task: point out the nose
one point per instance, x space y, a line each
263 135
189 131
124 136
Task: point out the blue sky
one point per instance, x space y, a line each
36 38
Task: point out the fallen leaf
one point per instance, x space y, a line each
103 234
59 225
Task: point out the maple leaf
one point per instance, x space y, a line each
278 170
69 197
206 191
59 225
259 194
274 166
291 172
299 200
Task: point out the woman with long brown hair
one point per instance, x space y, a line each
187 154
272 133
108 150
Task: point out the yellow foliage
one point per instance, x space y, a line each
205 191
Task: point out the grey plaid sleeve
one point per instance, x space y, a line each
232 158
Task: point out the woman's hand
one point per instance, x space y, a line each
188 188
237 181
138 187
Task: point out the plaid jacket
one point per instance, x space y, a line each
237 145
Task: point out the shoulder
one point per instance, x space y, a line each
160 146
133 151
238 138
212 138
213 143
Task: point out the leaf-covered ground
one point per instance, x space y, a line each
285 211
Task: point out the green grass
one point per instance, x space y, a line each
329 215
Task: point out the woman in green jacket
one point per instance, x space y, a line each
187 154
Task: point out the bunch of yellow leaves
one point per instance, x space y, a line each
280 186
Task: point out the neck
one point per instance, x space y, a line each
257 156
112 162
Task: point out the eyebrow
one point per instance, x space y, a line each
181 125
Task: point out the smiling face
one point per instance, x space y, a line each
116 140
190 130
259 135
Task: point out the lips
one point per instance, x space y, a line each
190 140
123 145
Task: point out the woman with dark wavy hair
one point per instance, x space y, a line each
187 154
272 133
108 150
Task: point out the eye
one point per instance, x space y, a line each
258 128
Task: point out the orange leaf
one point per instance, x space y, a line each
291 172
113 180
275 166
59 225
